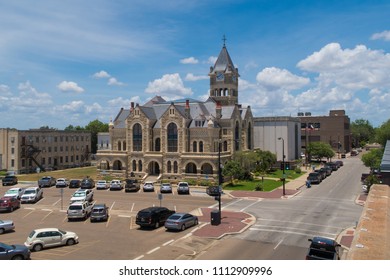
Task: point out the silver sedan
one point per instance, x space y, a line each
181 221
6 225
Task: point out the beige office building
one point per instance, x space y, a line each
26 151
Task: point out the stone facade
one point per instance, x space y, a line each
182 138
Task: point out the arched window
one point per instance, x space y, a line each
207 169
201 146
169 167
157 145
119 145
225 146
175 169
134 165
124 146
194 146
191 168
137 137
140 165
172 137
249 136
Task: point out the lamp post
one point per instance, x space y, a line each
284 175
219 174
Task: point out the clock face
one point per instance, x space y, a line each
220 76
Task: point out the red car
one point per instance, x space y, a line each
9 203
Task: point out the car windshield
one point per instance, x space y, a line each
79 194
29 192
6 246
98 210
45 179
75 207
101 182
11 191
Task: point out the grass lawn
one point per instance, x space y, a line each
269 185
290 174
71 173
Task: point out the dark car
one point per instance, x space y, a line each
10 180
9 203
87 183
314 178
75 183
322 172
14 252
332 165
322 248
132 185
328 170
153 216
47 181
339 163
99 213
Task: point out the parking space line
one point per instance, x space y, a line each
46 215
56 202
168 242
139 257
112 205
132 207
153 250
28 213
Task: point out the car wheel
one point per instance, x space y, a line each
18 257
37 247
70 242
183 227
196 222
2 230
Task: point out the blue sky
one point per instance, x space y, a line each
71 62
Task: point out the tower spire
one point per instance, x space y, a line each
224 40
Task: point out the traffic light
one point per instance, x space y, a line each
287 165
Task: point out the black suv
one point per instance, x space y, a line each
87 183
153 216
322 248
10 180
132 185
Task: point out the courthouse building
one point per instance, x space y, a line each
184 138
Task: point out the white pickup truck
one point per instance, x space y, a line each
82 195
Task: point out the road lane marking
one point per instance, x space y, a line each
153 250
277 245
243 209
139 257
132 207
168 242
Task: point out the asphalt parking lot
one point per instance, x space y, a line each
118 238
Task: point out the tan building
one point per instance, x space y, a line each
333 129
182 138
25 151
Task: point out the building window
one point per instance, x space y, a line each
200 146
157 145
134 165
175 169
194 147
169 166
12 163
12 151
172 137
172 111
119 145
137 137
140 165
249 135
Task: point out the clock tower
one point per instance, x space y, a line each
224 79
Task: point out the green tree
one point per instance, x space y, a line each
320 150
264 160
362 132
95 127
373 158
232 169
382 133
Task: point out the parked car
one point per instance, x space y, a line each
354 153
183 188
332 165
181 221
153 216
14 252
87 183
79 210
42 238
322 172
6 225
132 185
339 163
46 181
14 192
322 248
314 178
9 203
101 185
82 195
31 194
328 170
62 183
99 213
166 188
9 180
75 183
148 187
116 185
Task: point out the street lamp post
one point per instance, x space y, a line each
284 175
219 175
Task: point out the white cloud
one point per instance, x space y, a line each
73 106
189 60
95 108
192 78
211 60
169 84
101 74
70 86
114 82
385 35
274 78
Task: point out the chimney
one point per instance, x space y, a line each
218 110
131 107
187 109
